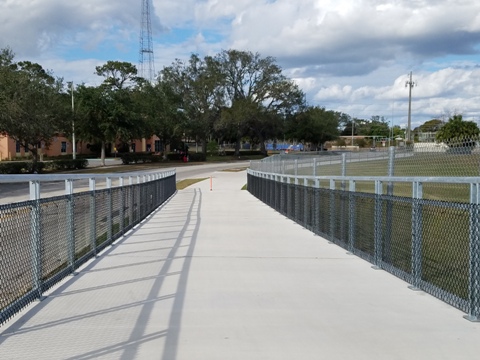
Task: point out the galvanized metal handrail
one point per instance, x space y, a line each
333 211
44 239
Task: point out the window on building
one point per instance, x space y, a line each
158 146
133 147
63 149
17 147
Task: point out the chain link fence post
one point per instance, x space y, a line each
378 225
109 211
36 239
306 204
389 210
70 225
93 216
343 205
316 204
332 211
474 254
122 205
352 214
417 224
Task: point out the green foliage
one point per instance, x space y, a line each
457 129
198 83
13 167
258 96
360 142
65 164
245 153
197 157
430 126
143 157
315 125
33 104
212 148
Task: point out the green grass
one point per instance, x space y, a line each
182 184
423 165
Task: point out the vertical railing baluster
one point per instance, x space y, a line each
416 235
36 239
474 256
93 217
70 225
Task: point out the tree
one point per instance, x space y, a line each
108 113
199 84
161 107
430 126
33 104
314 125
257 85
458 133
457 128
118 74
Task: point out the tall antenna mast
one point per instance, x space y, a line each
146 61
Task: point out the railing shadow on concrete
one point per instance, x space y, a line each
173 265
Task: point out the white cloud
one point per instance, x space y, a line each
346 54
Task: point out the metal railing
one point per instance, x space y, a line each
432 244
44 239
427 159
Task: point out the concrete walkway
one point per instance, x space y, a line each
219 275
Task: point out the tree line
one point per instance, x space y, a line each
231 96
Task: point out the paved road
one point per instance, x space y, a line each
16 192
219 275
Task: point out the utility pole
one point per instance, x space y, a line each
410 84
74 144
146 59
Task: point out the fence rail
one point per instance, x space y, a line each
432 244
44 239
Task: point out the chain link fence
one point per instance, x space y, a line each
461 158
45 239
432 244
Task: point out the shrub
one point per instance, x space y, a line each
197 157
174 157
144 157
212 148
243 152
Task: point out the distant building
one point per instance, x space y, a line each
60 145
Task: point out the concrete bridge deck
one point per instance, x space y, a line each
219 275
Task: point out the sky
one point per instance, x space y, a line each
353 56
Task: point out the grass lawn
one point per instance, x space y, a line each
182 184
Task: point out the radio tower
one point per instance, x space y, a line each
147 68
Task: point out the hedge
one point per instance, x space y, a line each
26 167
144 157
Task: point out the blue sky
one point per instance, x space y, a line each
352 56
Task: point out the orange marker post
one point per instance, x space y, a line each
211 183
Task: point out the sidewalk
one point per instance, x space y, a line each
219 275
